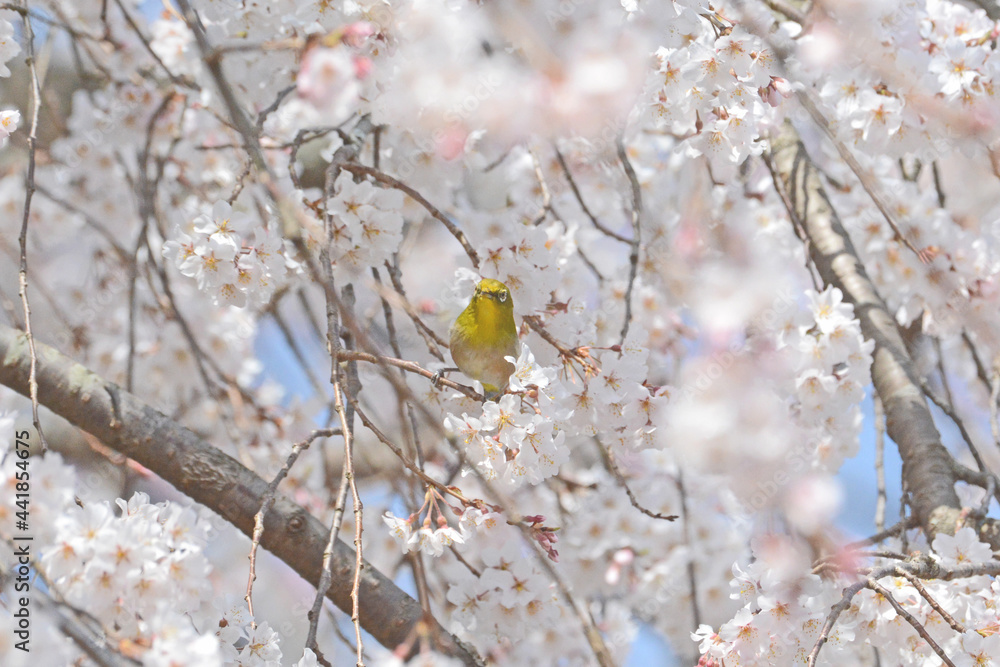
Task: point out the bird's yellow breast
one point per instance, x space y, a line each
483 334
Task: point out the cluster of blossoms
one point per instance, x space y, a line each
950 283
234 261
718 91
942 53
521 437
332 80
330 77
433 541
802 420
246 643
8 49
8 123
503 600
617 404
704 404
786 604
833 361
511 445
612 552
173 43
514 250
366 225
8 46
492 606
52 486
141 570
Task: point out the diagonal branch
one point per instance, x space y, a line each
927 465
208 476
388 181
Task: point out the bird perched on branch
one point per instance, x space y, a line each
483 334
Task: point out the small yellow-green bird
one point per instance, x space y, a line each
484 334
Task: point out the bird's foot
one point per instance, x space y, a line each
438 375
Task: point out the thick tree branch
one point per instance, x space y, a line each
927 465
208 476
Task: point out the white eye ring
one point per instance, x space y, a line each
502 296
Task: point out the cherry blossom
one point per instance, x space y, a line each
219 206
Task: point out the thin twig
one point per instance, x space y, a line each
904 501
297 352
48 20
29 191
334 317
946 408
994 393
867 182
613 468
213 62
991 490
311 317
689 543
891 531
945 387
390 327
983 479
546 195
410 366
387 180
149 49
923 569
407 463
432 339
583 205
831 620
336 312
88 219
937 183
981 372
909 618
569 354
798 225
633 257
272 488
925 594
338 395
146 193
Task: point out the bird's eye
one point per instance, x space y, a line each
503 295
